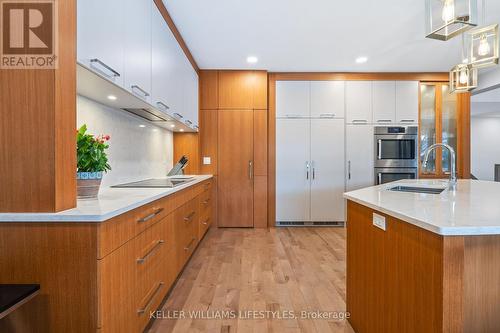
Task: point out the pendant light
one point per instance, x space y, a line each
482 44
445 19
463 77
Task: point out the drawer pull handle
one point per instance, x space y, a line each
113 74
188 247
206 222
139 91
206 202
148 304
150 252
189 217
150 216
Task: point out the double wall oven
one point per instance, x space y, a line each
396 153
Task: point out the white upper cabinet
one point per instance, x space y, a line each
327 99
100 37
407 93
137 74
358 101
384 102
293 99
164 90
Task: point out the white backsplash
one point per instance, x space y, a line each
135 152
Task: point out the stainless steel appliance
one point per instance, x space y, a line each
395 153
387 175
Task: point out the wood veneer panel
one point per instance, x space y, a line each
37 129
242 90
260 142
361 76
394 278
260 202
235 187
271 152
260 90
209 90
463 132
188 144
61 257
482 284
208 141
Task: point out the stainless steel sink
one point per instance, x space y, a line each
415 189
156 183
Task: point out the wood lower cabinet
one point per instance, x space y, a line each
108 276
236 168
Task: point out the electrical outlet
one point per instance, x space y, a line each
207 160
379 221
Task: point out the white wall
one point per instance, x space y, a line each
135 152
485 146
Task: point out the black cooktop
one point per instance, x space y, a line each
156 183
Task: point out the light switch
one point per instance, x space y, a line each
379 221
207 160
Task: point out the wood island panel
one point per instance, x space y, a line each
408 279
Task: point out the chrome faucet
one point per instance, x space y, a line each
453 163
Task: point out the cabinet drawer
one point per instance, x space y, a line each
204 223
117 231
127 277
186 230
205 201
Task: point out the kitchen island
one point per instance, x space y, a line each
420 262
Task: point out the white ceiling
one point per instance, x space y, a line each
314 35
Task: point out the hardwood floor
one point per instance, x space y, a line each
281 270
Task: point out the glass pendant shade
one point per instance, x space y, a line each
445 19
482 46
463 78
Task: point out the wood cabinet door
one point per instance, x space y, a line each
235 164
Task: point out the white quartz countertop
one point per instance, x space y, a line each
110 203
472 209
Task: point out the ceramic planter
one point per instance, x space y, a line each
88 184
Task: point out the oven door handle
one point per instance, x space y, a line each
379 149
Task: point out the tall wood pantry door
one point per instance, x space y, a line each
235 168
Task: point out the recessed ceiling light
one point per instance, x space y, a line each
252 59
112 97
361 60
172 126
142 126
181 130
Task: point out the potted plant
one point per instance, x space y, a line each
92 161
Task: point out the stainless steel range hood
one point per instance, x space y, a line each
91 85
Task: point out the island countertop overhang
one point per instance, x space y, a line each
472 209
